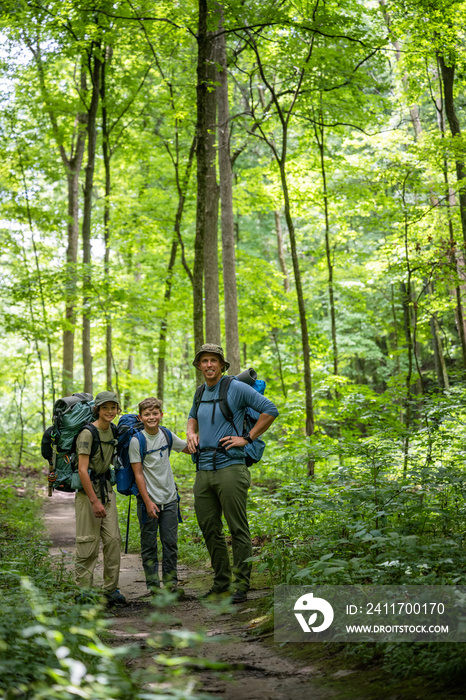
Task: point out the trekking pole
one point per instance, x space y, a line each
127 525
51 478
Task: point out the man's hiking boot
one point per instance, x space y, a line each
239 597
115 597
215 595
177 590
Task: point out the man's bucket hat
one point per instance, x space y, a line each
210 347
105 396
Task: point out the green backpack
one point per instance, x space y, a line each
70 415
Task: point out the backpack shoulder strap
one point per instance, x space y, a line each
142 444
168 437
95 439
222 398
198 396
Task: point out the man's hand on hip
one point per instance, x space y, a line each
230 441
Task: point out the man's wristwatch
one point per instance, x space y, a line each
247 437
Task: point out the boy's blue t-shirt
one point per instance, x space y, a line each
213 426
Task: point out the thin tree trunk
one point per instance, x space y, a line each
130 370
285 117
106 157
87 213
437 346
281 251
72 165
448 77
164 322
201 129
302 311
212 301
70 285
227 219
182 187
279 358
319 133
406 292
457 261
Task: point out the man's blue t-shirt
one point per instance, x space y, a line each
213 426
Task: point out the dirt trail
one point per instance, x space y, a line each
259 672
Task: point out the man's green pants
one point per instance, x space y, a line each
225 491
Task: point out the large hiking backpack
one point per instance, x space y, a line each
70 416
253 451
130 426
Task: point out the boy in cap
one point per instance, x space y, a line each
95 504
157 499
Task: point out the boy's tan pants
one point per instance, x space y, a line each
89 531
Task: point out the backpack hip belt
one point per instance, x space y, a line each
214 450
102 480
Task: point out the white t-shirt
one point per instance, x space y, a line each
156 468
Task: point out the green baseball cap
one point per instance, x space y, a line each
210 347
105 396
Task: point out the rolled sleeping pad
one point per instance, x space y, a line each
62 405
249 376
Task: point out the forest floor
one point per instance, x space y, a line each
256 667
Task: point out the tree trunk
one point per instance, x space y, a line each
302 312
201 121
448 77
70 286
227 220
406 292
72 165
455 259
319 132
281 251
106 157
164 322
182 187
130 369
212 301
437 347
86 225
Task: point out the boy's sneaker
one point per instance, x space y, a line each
239 597
115 597
88 596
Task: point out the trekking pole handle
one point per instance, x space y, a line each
51 478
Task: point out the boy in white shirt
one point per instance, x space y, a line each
157 499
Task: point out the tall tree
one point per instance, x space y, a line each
201 170
280 153
95 70
212 299
72 163
226 198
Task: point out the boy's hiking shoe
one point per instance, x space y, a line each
115 597
215 595
239 597
88 596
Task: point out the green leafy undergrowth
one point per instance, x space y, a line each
51 647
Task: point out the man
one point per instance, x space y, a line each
222 478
